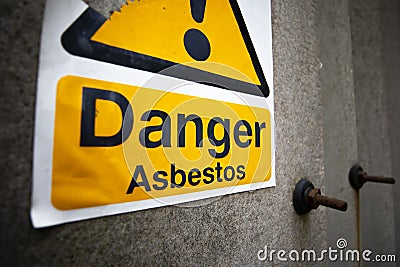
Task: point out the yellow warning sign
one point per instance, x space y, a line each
163 102
118 143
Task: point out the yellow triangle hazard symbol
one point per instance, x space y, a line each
154 35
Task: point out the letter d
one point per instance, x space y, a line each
88 137
260 252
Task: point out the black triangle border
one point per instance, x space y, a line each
76 40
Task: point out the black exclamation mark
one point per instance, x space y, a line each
196 43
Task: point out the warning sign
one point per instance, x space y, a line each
164 102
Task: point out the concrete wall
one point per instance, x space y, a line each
359 80
377 211
339 119
229 231
390 19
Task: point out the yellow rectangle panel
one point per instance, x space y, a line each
117 143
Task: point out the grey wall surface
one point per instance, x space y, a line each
339 120
359 80
390 12
374 151
229 231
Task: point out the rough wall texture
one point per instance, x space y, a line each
229 231
339 119
390 11
376 200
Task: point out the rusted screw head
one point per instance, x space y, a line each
311 199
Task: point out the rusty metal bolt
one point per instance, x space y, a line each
314 199
357 178
306 198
